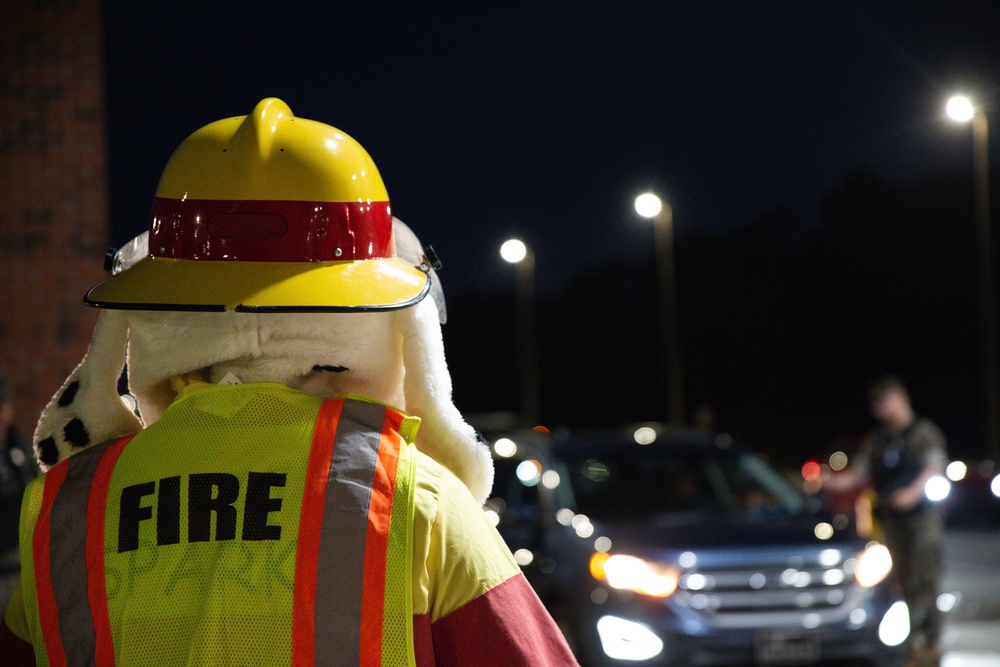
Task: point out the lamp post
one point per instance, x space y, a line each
523 259
960 108
650 206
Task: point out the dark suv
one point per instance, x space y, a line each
655 547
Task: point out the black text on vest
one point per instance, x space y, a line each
208 493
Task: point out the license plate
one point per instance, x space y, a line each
786 648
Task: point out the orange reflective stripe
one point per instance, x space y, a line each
376 543
310 530
104 651
70 589
350 598
47 611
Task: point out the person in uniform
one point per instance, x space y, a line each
899 457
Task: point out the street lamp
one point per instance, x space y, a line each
960 108
523 259
648 205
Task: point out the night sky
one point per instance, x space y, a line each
544 120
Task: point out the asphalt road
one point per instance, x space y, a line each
972 583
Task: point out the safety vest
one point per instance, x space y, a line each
250 525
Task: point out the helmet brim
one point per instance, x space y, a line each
157 283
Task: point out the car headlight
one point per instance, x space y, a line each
874 565
629 573
895 625
622 639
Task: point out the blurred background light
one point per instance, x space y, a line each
648 205
597 471
529 472
645 435
829 557
823 530
956 471
505 448
937 488
946 602
584 530
834 577
524 557
513 251
129 402
960 108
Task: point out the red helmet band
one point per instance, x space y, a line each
270 231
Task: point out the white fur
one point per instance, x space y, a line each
96 401
267 347
443 433
394 357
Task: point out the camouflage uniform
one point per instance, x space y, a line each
915 537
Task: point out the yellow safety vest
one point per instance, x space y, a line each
250 525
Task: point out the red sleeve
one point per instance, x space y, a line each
15 651
507 626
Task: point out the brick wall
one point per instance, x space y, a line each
53 207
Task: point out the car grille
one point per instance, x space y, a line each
805 592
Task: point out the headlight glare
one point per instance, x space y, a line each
623 639
874 565
629 573
895 625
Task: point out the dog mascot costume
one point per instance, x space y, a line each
277 504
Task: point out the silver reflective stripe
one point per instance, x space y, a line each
67 566
340 571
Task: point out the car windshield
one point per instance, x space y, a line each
664 484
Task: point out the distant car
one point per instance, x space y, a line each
972 496
655 547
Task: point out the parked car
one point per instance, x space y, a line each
659 547
972 499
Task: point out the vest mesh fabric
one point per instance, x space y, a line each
397 628
227 601
200 534
30 507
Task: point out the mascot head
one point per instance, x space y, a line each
272 256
